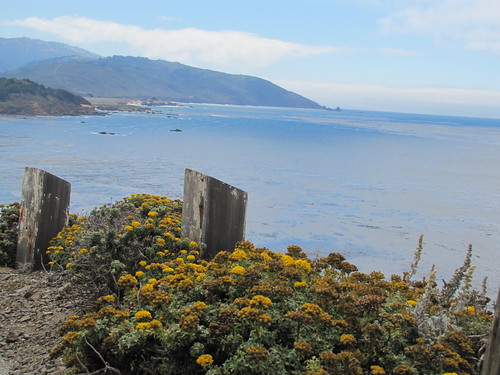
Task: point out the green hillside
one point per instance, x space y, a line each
24 97
136 77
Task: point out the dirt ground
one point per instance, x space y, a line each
32 308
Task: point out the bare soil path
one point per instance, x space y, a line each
32 308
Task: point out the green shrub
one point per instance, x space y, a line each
163 310
9 222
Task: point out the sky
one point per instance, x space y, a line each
414 56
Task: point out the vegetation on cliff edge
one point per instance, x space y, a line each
25 97
161 309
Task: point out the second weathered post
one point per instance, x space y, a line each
491 364
43 214
213 213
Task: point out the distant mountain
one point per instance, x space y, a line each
24 97
142 78
16 52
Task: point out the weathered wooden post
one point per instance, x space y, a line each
43 214
213 213
491 364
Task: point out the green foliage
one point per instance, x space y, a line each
22 96
163 310
9 86
9 218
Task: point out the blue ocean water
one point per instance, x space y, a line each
366 184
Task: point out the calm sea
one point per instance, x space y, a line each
366 184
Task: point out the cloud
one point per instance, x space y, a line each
216 49
473 24
430 100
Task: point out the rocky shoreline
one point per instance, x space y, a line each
32 308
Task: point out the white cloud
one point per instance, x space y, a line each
474 24
430 100
215 49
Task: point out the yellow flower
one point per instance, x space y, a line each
147 288
304 264
155 324
411 302
183 252
127 281
238 255
142 326
200 305
237 270
193 244
136 224
205 360
264 318
287 259
190 258
300 284
160 242
347 339
143 263
312 309
142 315
377 370
83 251
69 337
128 228
471 310
69 265
303 347
139 274
265 256
152 213
106 299
260 300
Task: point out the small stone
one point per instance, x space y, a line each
11 337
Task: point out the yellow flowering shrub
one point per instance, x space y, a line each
162 309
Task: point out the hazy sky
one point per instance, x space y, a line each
421 56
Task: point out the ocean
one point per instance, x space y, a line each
362 183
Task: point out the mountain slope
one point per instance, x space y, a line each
16 52
137 77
